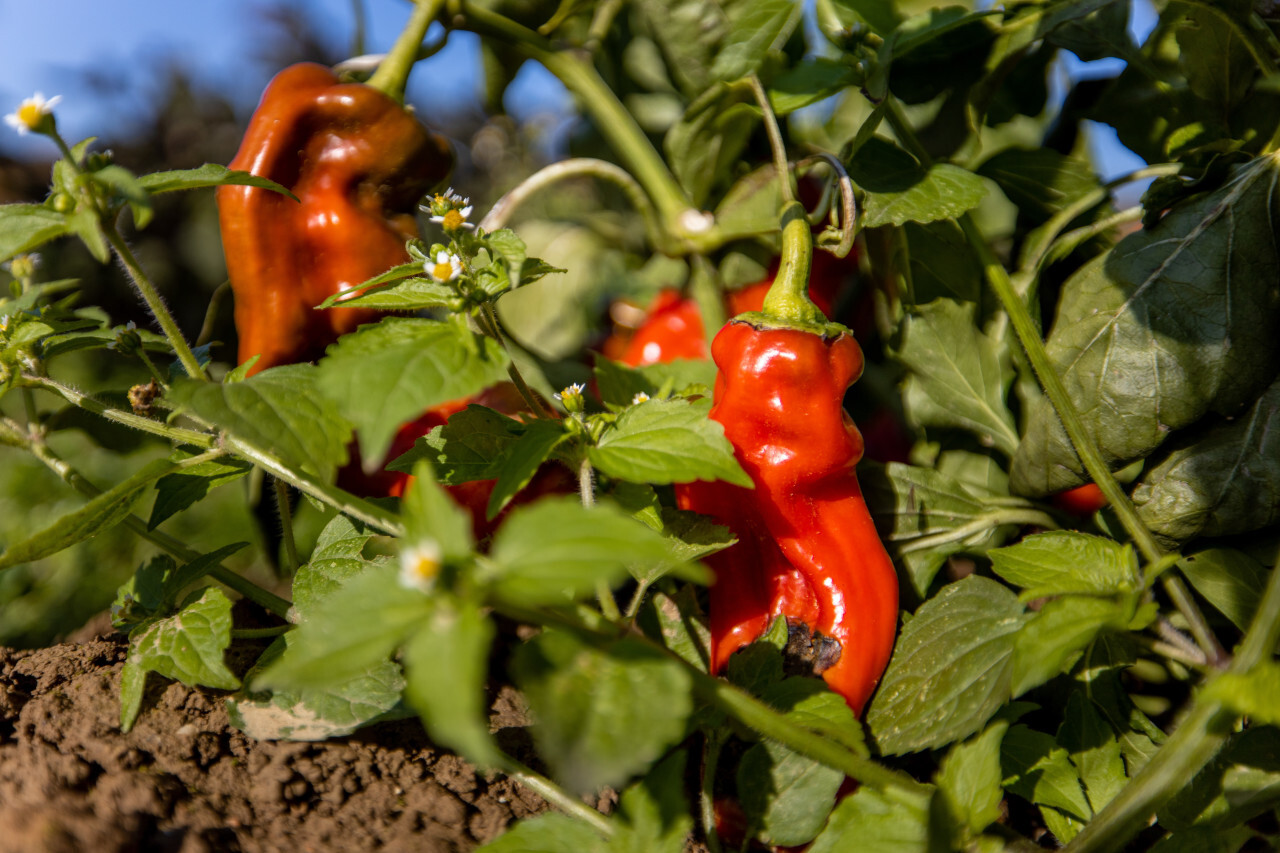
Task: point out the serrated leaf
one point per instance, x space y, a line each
186 647
1037 769
349 634
176 492
667 441
603 713
446 665
1171 324
618 384
522 459
875 821
959 377
1040 181
788 794
678 623
277 411
952 668
969 778
471 446
1050 642
548 833
24 227
556 549
316 713
1063 561
105 511
1231 581
1221 482
335 560
755 29
208 175
897 189
404 294
387 374
1094 750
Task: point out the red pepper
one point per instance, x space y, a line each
1082 501
359 164
807 547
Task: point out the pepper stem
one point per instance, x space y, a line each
393 73
788 299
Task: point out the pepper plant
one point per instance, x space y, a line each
1091 675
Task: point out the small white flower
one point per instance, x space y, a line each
571 398
639 398
420 565
574 390
446 267
31 112
454 219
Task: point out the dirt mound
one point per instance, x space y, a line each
183 780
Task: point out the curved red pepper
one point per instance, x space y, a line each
807 547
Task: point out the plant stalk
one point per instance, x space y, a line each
393 72
129 419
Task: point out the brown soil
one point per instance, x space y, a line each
184 781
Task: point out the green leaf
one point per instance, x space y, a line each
1172 323
522 460
1214 56
548 833
349 634
1254 694
910 503
1050 642
788 794
805 83
874 821
127 187
1205 840
679 624
603 713
1095 750
707 142
404 294
1064 561
1040 181
179 491
1231 581
755 30
1037 769
186 647
687 32
24 227
446 664
85 224
654 814
951 670
471 446
208 175
942 265
750 207
508 245
969 779
959 377
331 710
277 411
667 441
618 384
556 549
898 189
429 513
1221 482
347 296
387 374
101 513
335 559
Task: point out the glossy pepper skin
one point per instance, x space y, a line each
359 164
807 547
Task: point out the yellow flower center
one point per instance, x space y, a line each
426 568
442 272
452 220
30 115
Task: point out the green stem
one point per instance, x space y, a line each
358 508
120 416
151 367
488 323
286 528
266 599
692 229
152 298
1197 740
554 794
982 523
788 298
576 167
258 633
776 145
706 795
393 73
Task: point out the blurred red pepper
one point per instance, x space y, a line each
358 163
1082 501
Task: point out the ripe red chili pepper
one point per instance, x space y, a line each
1081 501
807 547
359 164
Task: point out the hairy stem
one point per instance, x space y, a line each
180 435
557 796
